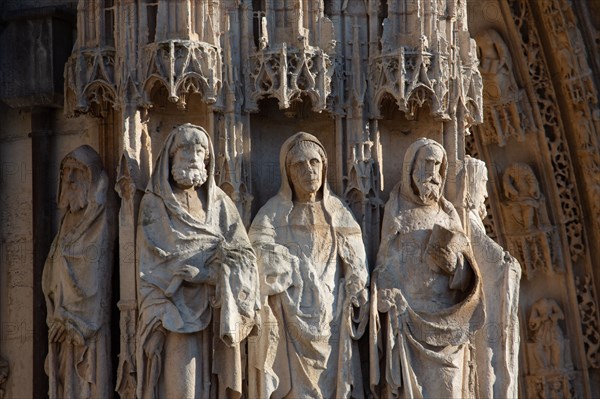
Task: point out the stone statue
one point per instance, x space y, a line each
530 235
547 336
77 282
426 288
497 344
198 284
313 276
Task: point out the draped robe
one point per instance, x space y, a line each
198 320
422 320
313 271
76 284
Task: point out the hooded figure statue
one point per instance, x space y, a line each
198 285
76 283
496 345
313 277
426 288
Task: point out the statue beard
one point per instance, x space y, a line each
482 210
429 193
73 196
189 175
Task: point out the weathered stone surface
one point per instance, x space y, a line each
33 49
76 282
512 82
197 277
313 276
497 343
426 288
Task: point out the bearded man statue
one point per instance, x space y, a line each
198 284
77 282
427 299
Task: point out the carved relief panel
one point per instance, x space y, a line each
506 109
531 238
551 373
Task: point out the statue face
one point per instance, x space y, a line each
189 153
480 195
306 171
75 185
426 174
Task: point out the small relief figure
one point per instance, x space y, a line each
521 187
531 238
547 335
427 300
507 115
77 283
198 284
313 276
497 344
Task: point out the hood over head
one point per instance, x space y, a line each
160 182
97 178
406 187
286 190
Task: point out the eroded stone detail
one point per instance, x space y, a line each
497 343
314 278
507 111
551 371
90 82
426 288
126 382
488 220
197 292
183 67
561 160
412 62
588 311
76 282
577 84
530 236
294 56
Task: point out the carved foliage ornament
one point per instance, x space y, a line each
561 161
588 311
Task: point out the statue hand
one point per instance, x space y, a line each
356 293
360 298
75 336
56 332
187 273
154 343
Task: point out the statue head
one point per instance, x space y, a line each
75 183
188 155
477 178
427 174
305 163
82 180
520 183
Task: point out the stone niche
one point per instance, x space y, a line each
510 82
